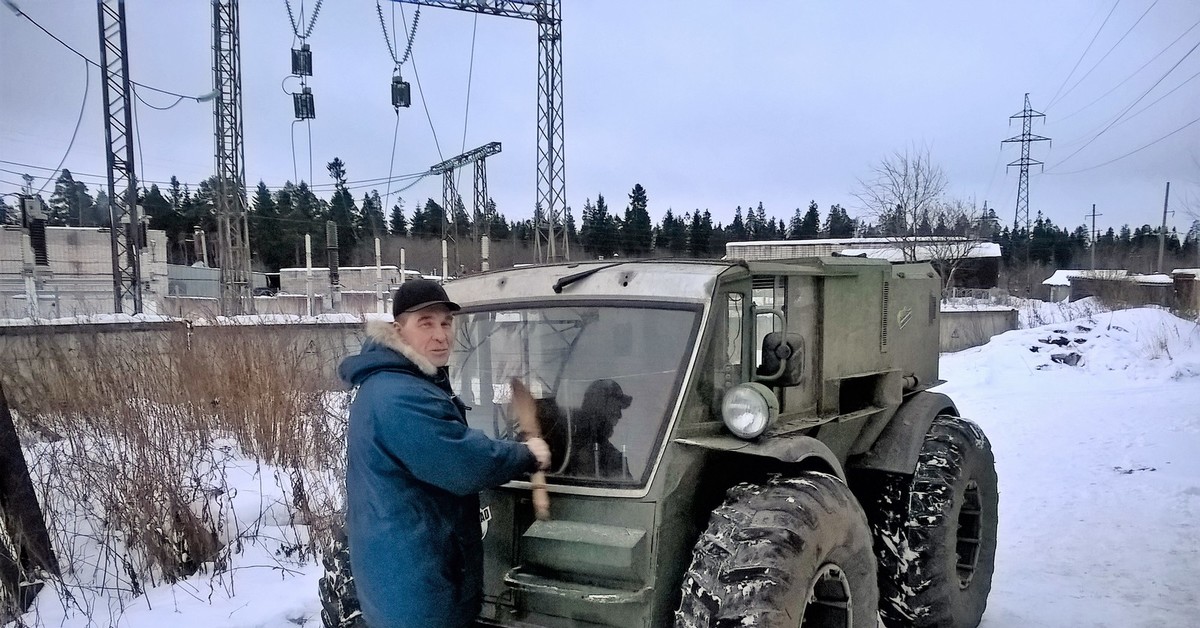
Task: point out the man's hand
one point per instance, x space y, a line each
541 451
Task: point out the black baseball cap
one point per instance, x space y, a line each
418 294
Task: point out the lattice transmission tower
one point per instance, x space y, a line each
1025 138
233 237
122 181
551 241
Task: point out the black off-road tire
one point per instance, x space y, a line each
339 598
793 552
935 531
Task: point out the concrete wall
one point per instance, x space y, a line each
201 281
32 357
352 278
963 329
356 303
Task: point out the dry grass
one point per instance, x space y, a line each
130 435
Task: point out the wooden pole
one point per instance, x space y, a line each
526 411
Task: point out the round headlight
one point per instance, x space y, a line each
749 409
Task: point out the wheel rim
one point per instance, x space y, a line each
970 526
828 600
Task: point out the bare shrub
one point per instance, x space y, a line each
130 438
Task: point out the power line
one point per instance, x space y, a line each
1085 51
21 13
87 81
392 160
1159 99
1131 106
358 184
467 107
1136 150
1110 50
1135 72
422 92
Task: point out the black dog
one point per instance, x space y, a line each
580 446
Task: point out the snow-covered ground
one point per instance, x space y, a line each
1099 476
1099 469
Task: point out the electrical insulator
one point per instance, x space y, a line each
401 95
305 106
302 61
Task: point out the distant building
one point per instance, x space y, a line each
980 267
77 276
1174 290
1187 288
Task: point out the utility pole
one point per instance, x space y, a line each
124 224
1095 236
1162 233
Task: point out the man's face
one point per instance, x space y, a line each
429 331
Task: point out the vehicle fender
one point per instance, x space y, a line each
899 445
792 448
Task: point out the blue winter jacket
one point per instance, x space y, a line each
413 476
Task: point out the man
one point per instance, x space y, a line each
414 471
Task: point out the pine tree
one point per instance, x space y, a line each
462 222
636 233
838 224
103 219
587 227
160 216
672 235
763 230
599 231
737 229
397 222
70 204
795 225
156 206
700 234
174 193
269 236
753 228
371 221
200 208
569 219
498 224
427 221
343 211
810 225
62 201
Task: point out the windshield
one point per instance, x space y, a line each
604 378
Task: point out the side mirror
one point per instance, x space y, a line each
782 359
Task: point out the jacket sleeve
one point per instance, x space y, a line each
419 427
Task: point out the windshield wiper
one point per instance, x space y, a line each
570 279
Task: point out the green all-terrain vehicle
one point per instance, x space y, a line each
735 444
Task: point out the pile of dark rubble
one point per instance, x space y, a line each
1065 346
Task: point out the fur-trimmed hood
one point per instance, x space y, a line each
383 349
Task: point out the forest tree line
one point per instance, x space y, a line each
279 218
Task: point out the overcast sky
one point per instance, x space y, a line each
707 104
